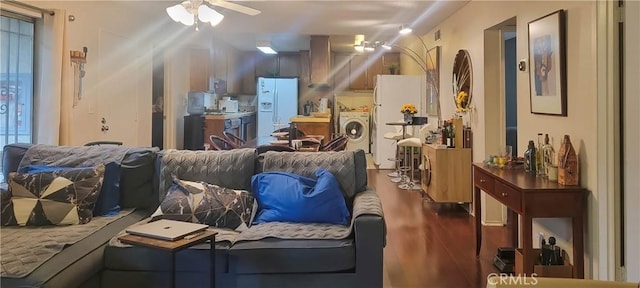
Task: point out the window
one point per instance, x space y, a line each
16 79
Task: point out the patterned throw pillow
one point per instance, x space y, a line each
59 197
205 203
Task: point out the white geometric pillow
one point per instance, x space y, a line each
59 197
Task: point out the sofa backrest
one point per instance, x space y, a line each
348 167
228 168
138 189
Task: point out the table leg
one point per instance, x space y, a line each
173 269
578 246
478 214
527 246
513 226
212 251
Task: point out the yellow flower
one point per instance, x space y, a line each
462 101
408 108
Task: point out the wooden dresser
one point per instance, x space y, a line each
447 174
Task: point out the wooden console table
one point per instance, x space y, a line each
531 197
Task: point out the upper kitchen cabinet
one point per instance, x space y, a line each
360 69
256 64
199 62
248 73
341 63
266 65
358 73
289 64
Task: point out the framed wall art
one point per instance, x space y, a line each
547 62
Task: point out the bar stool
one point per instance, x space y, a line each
396 136
412 143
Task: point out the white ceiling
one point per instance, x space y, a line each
288 24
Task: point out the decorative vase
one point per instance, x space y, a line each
408 118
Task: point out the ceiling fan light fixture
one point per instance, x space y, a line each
179 13
206 14
405 30
265 47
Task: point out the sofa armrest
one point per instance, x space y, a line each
370 238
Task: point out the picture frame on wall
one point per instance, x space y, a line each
433 81
547 62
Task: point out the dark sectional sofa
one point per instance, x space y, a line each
80 265
354 261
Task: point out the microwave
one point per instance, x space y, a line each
228 106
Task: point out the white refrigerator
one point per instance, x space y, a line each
390 93
277 103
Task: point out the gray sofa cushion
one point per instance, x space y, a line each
230 169
360 161
138 186
11 156
340 164
291 256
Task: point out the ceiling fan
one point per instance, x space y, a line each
234 6
189 11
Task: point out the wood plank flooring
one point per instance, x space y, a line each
432 245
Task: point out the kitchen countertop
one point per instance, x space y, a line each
301 118
222 116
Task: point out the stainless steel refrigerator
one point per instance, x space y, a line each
277 103
390 93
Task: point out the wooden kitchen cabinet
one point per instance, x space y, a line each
247 72
323 128
289 64
266 65
359 71
199 69
373 70
446 175
341 62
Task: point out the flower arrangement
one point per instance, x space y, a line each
408 109
462 101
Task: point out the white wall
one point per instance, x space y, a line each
465 30
632 138
143 34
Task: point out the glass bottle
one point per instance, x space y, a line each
540 171
530 158
452 136
548 153
444 133
292 133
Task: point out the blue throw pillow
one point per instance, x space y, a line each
288 197
108 203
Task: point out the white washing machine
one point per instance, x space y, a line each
356 126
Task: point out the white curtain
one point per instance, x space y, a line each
54 98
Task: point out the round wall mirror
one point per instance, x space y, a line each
462 81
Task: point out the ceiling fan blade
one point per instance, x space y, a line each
235 7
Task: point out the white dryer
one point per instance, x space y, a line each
356 126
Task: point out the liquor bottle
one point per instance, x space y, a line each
452 136
292 133
548 153
445 133
530 158
540 171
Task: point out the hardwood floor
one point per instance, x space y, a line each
431 245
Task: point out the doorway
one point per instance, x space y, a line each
157 102
500 120
510 91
